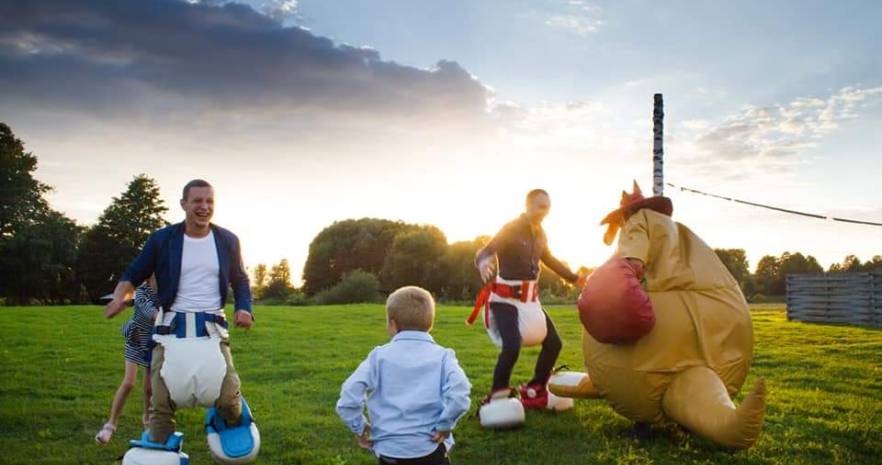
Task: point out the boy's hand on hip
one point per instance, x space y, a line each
364 441
440 436
243 319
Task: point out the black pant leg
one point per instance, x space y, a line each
506 318
551 347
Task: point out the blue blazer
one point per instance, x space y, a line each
162 255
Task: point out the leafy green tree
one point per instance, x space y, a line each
736 262
357 286
39 261
767 274
415 259
279 285
21 195
771 272
347 246
459 280
117 237
852 264
259 283
38 246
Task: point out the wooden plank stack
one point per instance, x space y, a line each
844 298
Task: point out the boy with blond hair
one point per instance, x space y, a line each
414 389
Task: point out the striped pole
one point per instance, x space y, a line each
658 169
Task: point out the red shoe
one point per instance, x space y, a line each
534 396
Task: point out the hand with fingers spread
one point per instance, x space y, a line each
486 267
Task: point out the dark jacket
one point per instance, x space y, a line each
519 252
162 255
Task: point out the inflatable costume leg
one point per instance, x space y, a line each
698 400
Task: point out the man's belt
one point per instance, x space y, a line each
196 320
520 292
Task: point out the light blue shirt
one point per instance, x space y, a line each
412 387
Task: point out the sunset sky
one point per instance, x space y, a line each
447 112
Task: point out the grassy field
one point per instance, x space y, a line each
60 366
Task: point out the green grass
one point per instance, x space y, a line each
60 366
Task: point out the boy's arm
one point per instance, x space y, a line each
350 406
454 392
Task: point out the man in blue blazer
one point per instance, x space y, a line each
194 262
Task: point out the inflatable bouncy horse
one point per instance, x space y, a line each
668 336
193 371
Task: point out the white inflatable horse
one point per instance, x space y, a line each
193 370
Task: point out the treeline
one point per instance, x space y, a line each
46 257
769 279
360 260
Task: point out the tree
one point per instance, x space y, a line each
279 285
119 235
415 259
21 195
38 262
852 264
736 262
347 246
38 245
461 280
771 272
767 274
357 286
258 284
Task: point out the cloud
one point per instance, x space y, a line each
168 55
578 17
776 136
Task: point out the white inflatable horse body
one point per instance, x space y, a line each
193 370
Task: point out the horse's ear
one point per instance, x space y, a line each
625 199
636 188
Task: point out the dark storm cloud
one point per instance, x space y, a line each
103 55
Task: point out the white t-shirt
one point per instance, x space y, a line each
199 285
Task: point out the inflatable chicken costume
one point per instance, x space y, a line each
668 332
